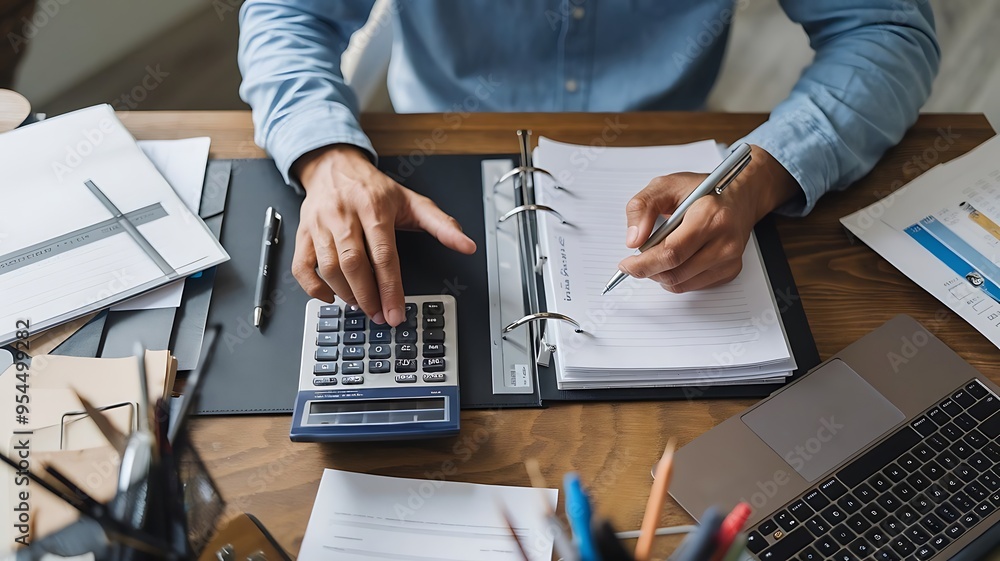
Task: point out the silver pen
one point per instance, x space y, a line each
272 222
716 182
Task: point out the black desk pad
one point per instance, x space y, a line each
257 371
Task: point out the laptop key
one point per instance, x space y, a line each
826 546
977 491
886 554
843 534
965 422
932 470
894 472
947 513
976 389
755 542
948 459
940 542
873 513
861 548
936 442
907 515
918 481
786 521
849 503
858 524
892 526
949 407
834 514
937 494
767 527
924 426
951 483
966 472
937 416
976 439
877 537
844 555
865 493
902 546
908 463
991 481
787 547
800 510
917 535
832 488
880 483
954 531
951 432
809 554
922 504
986 407
932 524
815 499
925 552
818 526
904 492
962 502
985 509
888 502
969 520
991 427
963 398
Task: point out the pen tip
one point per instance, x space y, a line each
257 312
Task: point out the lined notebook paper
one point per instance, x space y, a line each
639 334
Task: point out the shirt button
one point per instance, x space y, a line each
571 86
579 12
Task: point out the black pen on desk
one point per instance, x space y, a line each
716 182
272 222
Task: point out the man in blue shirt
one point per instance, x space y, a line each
874 64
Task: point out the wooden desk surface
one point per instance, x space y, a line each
847 290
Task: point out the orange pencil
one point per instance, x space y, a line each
657 496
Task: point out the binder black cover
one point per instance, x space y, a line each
257 372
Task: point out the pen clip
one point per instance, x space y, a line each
729 177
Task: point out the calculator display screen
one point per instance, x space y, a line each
377 411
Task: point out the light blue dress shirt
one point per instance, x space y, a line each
874 64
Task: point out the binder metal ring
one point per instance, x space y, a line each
526 169
538 316
517 210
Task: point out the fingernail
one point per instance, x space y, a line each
633 233
395 317
379 317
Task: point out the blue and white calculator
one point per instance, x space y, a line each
360 380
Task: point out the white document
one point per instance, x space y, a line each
943 231
182 163
640 334
363 517
64 250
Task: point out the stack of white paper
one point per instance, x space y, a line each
943 231
639 334
88 222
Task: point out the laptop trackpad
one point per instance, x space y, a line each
820 421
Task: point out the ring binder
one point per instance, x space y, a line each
528 169
524 208
541 316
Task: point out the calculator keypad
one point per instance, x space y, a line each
352 349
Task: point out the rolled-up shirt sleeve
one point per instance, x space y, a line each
289 55
874 65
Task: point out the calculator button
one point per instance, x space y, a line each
411 309
379 351
354 353
378 367
353 380
327 339
433 322
354 338
434 378
406 351
327 353
329 311
354 367
354 324
409 323
433 350
406 335
381 336
433 336
406 365
325 381
433 308
328 325
433 364
353 310
325 368
373 326
406 378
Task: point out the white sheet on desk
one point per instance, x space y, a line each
182 163
879 226
360 517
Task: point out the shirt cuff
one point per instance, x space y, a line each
798 143
304 131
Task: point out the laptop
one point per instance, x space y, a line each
886 451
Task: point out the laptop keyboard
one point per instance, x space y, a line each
907 498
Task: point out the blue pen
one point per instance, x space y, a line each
578 512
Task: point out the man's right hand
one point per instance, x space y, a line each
346 241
